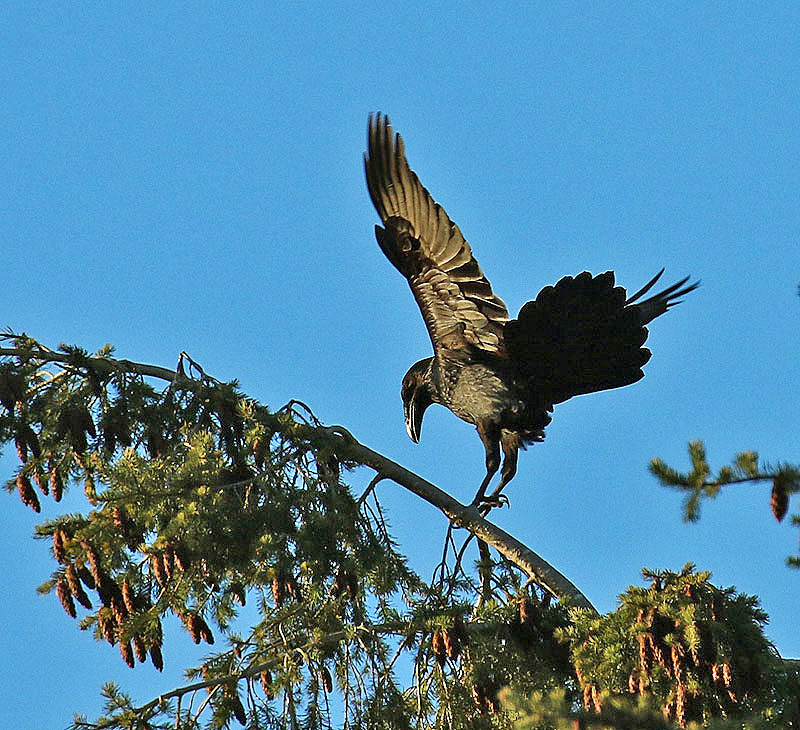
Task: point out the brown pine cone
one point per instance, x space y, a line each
76 587
128 596
127 653
59 545
438 646
278 590
156 657
56 485
192 623
139 648
452 644
27 493
779 500
266 684
238 710
62 591
327 680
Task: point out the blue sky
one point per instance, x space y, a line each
190 178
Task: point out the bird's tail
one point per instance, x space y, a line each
583 335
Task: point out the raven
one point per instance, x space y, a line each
503 376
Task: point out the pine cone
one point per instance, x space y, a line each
238 710
677 654
62 591
59 545
438 646
41 482
156 657
680 705
157 569
191 621
779 501
118 610
56 485
205 631
128 596
278 591
94 562
293 590
106 624
27 493
327 680
451 644
479 697
168 560
259 452
86 577
139 648
127 653
22 448
266 684
75 586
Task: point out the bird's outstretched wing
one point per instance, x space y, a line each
456 300
585 334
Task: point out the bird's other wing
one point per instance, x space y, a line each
455 298
584 334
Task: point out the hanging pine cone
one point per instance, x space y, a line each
75 586
779 501
293 590
128 597
94 562
278 591
680 705
327 680
238 710
56 485
106 624
59 545
62 591
157 569
41 482
86 576
479 698
22 448
438 646
156 657
118 610
191 621
266 684
452 644
127 653
139 648
205 631
27 493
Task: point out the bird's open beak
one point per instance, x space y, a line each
414 411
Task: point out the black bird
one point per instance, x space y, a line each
504 376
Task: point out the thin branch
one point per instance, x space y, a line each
467 517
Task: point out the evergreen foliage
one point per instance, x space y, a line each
699 483
200 500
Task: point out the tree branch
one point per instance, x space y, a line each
469 518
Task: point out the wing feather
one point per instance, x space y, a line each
455 298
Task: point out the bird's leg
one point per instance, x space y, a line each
511 443
490 436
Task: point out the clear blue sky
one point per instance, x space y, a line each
189 177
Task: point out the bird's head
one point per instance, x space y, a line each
416 394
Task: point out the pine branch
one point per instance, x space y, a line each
533 565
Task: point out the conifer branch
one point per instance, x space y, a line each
533 565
